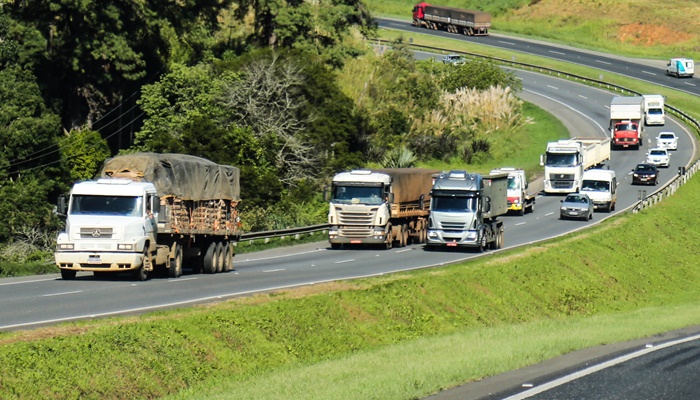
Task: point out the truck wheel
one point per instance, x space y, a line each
228 257
501 239
175 270
141 274
219 261
68 274
404 232
522 211
209 259
483 244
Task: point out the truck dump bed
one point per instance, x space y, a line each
411 188
496 187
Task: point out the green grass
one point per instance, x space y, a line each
400 336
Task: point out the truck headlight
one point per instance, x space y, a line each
333 232
432 234
472 235
125 246
66 246
378 232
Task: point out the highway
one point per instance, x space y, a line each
44 300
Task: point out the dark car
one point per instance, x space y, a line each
576 205
645 174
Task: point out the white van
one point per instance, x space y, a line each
680 67
654 109
601 186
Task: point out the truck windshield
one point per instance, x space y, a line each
513 183
454 204
561 160
626 127
357 195
106 205
655 111
595 186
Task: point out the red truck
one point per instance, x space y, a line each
450 19
626 134
626 116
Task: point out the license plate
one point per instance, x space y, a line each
356 242
94 259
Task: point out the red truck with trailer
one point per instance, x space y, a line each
450 19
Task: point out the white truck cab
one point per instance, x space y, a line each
680 67
654 109
601 187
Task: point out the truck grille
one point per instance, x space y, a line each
96 233
453 226
356 217
561 181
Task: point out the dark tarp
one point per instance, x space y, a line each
179 175
408 184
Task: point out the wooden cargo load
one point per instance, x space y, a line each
411 188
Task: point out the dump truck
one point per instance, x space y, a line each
626 120
387 207
450 19
464 210
151 211
520 198
565 161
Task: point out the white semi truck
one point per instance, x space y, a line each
464 210
565 161
385 207
151 211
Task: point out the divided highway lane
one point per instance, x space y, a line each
651 71
42 300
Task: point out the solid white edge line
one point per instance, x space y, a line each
598 367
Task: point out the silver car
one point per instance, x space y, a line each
454 59
576 205
667 140
659 157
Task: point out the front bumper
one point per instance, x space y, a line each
452 238
94 261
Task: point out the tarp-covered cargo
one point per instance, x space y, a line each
177 175
409 184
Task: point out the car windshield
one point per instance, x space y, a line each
595 186
645 168
667 136
657 152
575 199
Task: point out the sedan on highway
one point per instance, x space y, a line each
576 205
667 140
659 157
645 174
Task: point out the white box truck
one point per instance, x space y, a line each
654 113
601 186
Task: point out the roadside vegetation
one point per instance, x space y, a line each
400 336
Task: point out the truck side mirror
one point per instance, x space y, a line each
390 198
155 205
486 205
61 206
541 159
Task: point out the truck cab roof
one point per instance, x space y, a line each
113 187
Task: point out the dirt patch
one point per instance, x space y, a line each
650 35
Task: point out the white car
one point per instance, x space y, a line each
454 59
659 157
667 140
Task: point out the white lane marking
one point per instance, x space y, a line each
595 368
605 131
548 214
583 97
553 87
32 281
649 72
62 293
280 256
344 261
603 62
690 84
275 270
504 42
557 52
404 250
520 223
182 279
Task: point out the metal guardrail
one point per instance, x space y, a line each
645 200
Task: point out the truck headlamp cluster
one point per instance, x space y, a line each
378 232
125 246
432 234
66 246
472 235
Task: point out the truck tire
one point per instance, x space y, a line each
532 207
404 235
175 270
68 274
219 263
483 245
228 257
208 262
141 273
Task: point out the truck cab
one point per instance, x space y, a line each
110 223
627 134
